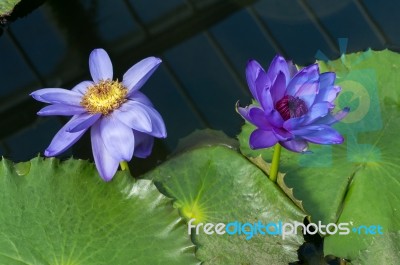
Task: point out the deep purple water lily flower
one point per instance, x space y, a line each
123 121
294 107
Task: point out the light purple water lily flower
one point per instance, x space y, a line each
123 121
294 107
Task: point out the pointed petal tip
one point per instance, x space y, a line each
48 153
158 134
35 96
96 51
279 57
155 60
253 63
104 175
159 60
106 178
339 140
277 62
135 77
342 114
243 111
152 60
163 135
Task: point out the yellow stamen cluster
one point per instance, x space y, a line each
104 97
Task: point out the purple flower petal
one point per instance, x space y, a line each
263 85
328 94
307 92
301 131
61 109
117 138
266 103
293 123
142 118
306 75
275 118
38 93
143 144
244 112
282 134
82 87
292 69
83 122
100 65
318 110
327 91
158 127
106 164
278 65
63 140
327 135
138 74
278 89
140 97
327 79
57 96
297 145
259 119
262 139
134 115
332 118
253 69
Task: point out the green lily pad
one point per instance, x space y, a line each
388 244
7 6
63 213
357 182
215 184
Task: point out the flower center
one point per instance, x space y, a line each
291 107
104 97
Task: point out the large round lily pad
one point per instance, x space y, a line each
63 213
216 184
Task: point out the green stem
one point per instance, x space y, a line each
124 166
273 173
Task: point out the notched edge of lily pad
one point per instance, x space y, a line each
266 167
22 168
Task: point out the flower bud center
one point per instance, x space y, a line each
291 107
104 97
